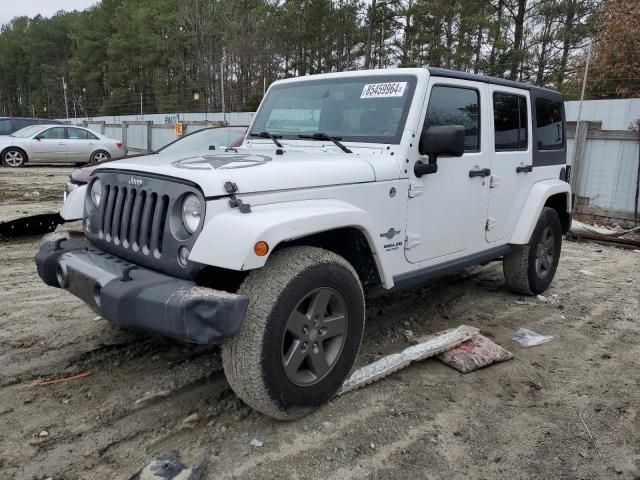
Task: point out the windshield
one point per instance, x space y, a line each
27 131
204 140
358 109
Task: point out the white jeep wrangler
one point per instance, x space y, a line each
346 185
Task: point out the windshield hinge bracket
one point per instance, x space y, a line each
412 240
415 189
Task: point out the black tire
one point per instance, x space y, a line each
103 156
529 269
13 157
254 360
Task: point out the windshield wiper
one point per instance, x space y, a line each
268 135
324 136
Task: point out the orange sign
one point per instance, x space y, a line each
178 128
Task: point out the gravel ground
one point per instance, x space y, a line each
518 420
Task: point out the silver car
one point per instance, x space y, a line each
57 144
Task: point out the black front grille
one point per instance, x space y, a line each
139 219
133 218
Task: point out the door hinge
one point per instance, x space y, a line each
490 225
494 182
415 189
412 240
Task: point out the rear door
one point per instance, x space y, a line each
49 146
511 159
80 144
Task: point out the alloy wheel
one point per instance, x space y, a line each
545 253
14 158
100 157
314 336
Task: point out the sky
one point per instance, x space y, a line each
46 8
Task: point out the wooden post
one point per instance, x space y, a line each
578 152
149 136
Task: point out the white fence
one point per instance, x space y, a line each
607 178
150 132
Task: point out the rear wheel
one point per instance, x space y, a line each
99 156
13 157
301 333
529 269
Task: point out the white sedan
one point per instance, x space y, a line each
57 144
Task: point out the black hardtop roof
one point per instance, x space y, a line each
443 72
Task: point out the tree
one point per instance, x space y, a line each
615 68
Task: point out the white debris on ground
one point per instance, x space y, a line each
528 338
397 361
579 228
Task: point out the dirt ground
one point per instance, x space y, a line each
516 420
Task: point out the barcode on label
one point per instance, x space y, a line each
377 90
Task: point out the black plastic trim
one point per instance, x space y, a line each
137 173
417 277
137 298
474 77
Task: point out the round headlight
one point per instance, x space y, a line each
96 192
191 212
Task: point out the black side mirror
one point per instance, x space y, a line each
212 147
439 140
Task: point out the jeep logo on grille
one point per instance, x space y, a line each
136 182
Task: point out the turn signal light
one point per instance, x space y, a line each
261 248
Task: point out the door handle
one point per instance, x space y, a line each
524 169
479 172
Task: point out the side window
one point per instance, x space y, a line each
79 134
510 121
56 133
456 106
549 128
5 126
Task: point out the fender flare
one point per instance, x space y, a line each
533 206
227 240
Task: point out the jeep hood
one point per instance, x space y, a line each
253 170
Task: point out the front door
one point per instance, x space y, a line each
511 166
447 209
50 146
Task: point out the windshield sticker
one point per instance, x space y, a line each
224 162
380 90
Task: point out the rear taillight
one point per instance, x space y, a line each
119 144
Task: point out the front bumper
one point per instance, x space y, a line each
138 298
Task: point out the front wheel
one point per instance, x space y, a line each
529 269
301 333
14 157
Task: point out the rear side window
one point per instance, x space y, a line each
510 121
79 134
549 129
456 106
